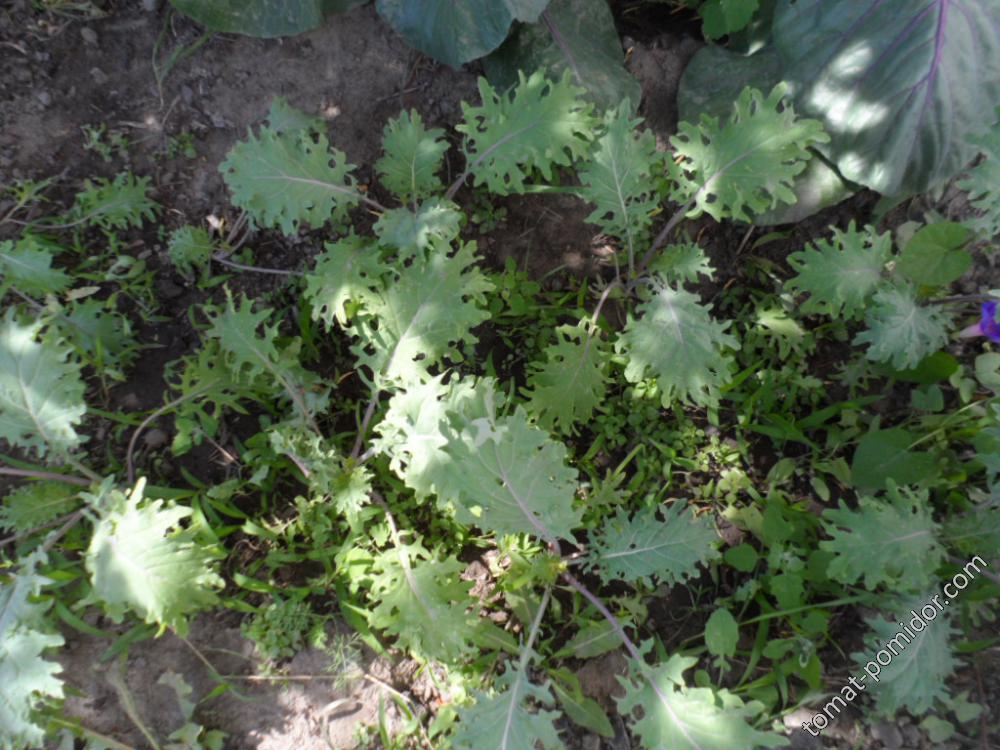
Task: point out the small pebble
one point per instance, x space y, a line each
797 718
99 76
131 402
155 438
187 94
89 35
44 97
803 740
151 5
168 289
912 735
888 734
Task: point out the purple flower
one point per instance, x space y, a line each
989 326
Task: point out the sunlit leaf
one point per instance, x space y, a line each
509 476
249 344
141 560
413 231
41 390
746 164
423 312
539 125
507 720
424 604
27 679
347 271
418 425
618 178
412 158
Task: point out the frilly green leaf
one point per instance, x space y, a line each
566 388
41 390
748 164
141 560
889 541
506 719
541 124
413 156
618 178
901 331
27 265
509 476
423 312
424 604
644 547
685 718
348 272
675 340
285 179
917 676
27 679
840 274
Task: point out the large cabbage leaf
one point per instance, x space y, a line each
263 18
899 84
456 32
574 35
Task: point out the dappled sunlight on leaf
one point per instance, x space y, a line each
899 85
